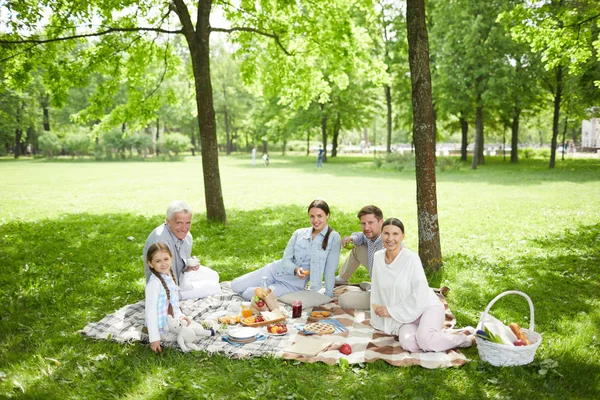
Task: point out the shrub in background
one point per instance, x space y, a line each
174 143
49 144
78 144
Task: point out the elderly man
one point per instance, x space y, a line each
195 280
366 243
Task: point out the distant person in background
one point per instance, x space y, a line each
320 157
265 159
175 233
254 156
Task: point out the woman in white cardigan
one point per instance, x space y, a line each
402 303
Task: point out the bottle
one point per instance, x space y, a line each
296 309
265 283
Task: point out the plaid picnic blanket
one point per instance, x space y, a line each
368 345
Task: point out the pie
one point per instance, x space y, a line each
319 328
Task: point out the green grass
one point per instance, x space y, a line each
67 260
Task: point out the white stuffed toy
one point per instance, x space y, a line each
187 334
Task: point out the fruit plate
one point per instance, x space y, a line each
263 323
279 334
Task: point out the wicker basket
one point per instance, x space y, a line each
505 355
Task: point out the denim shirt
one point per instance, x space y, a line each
302 248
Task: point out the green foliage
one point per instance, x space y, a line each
532 152
49 144
396 161
174 143
68 263
77 144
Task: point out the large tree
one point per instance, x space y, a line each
564 33
424 135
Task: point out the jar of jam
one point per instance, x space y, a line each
296 309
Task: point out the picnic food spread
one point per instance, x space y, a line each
319 328
320 314
229 319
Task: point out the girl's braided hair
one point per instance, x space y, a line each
152 250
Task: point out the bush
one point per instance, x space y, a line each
530 152
444 164
396 161
49 144
78 144
174 143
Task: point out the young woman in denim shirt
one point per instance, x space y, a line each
312 252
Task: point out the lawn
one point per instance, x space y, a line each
68 258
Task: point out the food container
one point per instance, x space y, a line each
296 309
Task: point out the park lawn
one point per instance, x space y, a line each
72 234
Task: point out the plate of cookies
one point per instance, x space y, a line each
320 314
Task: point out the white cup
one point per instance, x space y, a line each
193 262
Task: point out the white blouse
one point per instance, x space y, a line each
402 287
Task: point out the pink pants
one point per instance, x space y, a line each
425 333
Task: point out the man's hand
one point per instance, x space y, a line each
345 240
188 269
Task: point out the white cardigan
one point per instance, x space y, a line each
402 287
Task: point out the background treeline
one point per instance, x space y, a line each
517 73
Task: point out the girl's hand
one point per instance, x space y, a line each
187 319
301 273
382 311
155 347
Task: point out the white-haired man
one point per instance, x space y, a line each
175 233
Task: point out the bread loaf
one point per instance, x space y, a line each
519 333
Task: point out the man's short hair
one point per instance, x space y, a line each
178 206
376 211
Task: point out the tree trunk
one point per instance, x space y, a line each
264 146
555 119
284 148
424 136
193 135
19 129
45 102
388 101
478 146
565 134
514 141
226 116
464 129
324 131
337 125
199 44
307 142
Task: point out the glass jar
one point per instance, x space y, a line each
296 309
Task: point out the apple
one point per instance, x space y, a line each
260 303
519 342
349 245
345 349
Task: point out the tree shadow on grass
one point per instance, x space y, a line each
62 273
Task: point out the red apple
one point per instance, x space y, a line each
519 342
260 303
345 349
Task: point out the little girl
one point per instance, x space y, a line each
162 294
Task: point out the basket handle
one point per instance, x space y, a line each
501 295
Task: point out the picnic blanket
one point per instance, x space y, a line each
368 344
